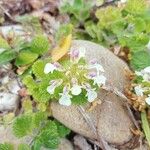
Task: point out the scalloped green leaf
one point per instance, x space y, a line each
22 126
40 44
140 60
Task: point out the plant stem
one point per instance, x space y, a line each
145 126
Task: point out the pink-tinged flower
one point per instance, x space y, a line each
65 98
92 74
57 65
53 85
49 68
99 80
74 54
95 65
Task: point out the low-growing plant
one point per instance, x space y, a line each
23 53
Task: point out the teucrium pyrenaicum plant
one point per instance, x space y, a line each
70 80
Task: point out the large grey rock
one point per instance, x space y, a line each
110 118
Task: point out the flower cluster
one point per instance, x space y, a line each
79 78
142 88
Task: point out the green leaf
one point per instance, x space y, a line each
107 16
145 126
7 56
49 136
38 118
136 6
24 147
27 106
140 60
38 69
25 58
63 31
22 126
3 45
37 145
30 23
80 99
29 82
6 146
62 130
80 9
40 44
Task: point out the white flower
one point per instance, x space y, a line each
91 94
147 100
138 90
49 68
53 85
146 77
147 70
51 89
65 99
138 73
76 54
2 50
99 80
76 89
97 66
82 51
123 1
148 45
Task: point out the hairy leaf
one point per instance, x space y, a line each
22 126
6 146
25 58
40 44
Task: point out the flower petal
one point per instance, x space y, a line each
138 90
97 66
82 51
91 94
50 89
49 68
76 90
65 100
99 80
53 85
147 70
